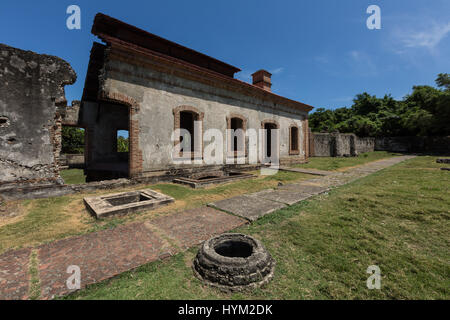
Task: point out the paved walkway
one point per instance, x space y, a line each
313 172
107 253
255 205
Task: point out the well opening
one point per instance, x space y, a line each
233 261
234 249
126 199
212 177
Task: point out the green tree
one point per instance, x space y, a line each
72 140
443 80
426 111
122 144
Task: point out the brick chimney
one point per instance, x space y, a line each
261 78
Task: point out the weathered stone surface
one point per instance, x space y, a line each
32 87
414 144
283 196
339 144
304 188
314 172
247 206
233 262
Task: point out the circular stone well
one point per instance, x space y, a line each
233 261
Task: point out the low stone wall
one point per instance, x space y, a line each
432 145
339 145
71 160
34 191
363 145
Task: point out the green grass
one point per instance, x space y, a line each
181 192
397 219
45 220
73 176
332 163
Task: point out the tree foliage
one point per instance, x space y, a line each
122 144
426 111
72 140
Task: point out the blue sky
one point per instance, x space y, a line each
320 52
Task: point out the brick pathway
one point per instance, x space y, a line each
14 278
107 253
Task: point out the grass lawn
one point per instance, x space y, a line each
331 163
397 219
73 176
32 222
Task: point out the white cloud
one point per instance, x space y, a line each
426 38
277 70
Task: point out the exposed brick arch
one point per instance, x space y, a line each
306 132
239 116
294 145
135 158
266 149
119 98
199 116
272 121
232 153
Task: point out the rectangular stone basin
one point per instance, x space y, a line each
125 202
214 177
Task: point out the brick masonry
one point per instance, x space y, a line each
14 276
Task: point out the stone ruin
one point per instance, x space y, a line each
32 107
233 262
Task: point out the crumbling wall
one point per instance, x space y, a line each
363 145
431 145
323 145
31 99
339 145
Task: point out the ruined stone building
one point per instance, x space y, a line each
150 86
146 85
32 104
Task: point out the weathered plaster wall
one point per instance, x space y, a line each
31 89
159 93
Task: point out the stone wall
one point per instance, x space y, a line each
339 145
432 145
71 160
31 98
